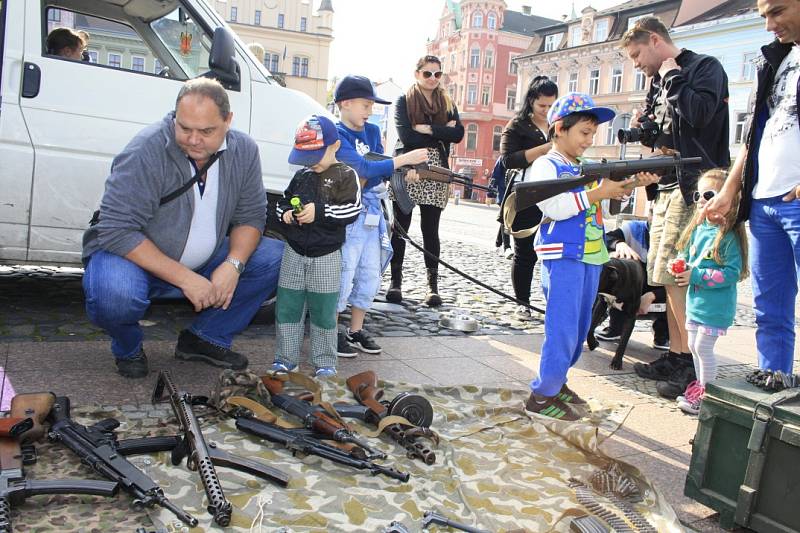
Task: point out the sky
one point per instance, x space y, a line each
383 39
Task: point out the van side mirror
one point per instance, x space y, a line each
222 60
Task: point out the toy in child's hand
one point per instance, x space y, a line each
297 205
677 266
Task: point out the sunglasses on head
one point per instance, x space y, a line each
427 74
705 195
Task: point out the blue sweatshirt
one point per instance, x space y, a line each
356 144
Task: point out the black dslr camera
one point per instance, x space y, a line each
647 133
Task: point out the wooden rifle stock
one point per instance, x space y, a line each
36 406
364 387
530 193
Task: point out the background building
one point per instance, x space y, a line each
296 38
476 42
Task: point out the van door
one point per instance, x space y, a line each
16 152
85 112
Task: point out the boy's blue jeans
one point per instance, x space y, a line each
570 288
774 264
118 293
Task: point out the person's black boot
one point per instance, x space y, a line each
395 293
192 348
133 367
432 299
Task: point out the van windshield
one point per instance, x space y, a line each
186 41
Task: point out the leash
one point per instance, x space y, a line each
396 227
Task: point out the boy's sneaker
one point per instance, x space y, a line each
192 348
551 407
568 395
692 405
361 340
607 334
133 367
325 372
343 348
661 343
281 368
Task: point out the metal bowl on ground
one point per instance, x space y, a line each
459 322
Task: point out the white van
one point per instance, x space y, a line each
62 121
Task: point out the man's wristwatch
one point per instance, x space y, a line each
238 265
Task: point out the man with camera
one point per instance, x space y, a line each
687 112
767 172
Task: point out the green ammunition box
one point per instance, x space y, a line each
746 457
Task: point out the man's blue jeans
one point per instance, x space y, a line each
118 293
774 264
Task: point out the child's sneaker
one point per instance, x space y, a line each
325 372
690 392
691 405
281 368
343 348
361 340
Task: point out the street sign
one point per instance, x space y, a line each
467 162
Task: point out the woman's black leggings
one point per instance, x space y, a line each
522 269
429 224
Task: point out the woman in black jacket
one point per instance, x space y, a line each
425 117
524 140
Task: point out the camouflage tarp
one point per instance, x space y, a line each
496 468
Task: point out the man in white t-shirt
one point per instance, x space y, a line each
767 171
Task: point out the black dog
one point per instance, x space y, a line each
621 283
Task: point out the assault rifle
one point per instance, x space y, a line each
301 440
426 172
414 408
28 411
200 456
530 193
98 448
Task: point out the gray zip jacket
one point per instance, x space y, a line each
151 167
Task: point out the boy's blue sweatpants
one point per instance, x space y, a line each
570 288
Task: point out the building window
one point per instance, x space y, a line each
93 57
300 67
511 98
53 15
513 67
491 21
616 79
452 62
281 20
749 67
475 58
460 93
633 20
551 42
477 20
600 30
594 81
610 133
741 124
257 18
572 86
488 59
472 137
472 93
271 62
640 81
137 63
234 13
303 24
554 78
485 96
497 136
575 36
114 60
451 90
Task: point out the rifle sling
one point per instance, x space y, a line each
384 423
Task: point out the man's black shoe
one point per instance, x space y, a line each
192 348
662 368
133 367
607 334
677 383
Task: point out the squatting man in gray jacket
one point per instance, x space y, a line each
157 239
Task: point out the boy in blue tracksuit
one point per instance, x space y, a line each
570 243
367 248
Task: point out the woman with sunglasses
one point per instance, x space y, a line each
425 117
524 140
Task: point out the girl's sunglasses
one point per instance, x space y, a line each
705 195
427 74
